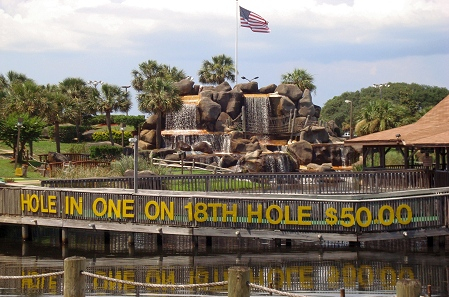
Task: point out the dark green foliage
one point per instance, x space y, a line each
105 152
131 121
409 102
30 131
67 134
116 134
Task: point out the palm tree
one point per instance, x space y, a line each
150 70
111 99
299 77
160 97
156 91
378 115
81 100
54 105
216 72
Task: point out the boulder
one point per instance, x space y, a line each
268 89
222 122
183 146
223 99
54 157
314 134
209 110
228 161
203 146
235 103
148 136
223 87
292 91
184 86
248 88
150 123
143 145
301 151
281 105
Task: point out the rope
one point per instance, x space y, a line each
191 286
261 288
31 275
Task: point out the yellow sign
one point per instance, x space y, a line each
273 214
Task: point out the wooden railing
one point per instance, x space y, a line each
272 183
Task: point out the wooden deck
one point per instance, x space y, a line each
311 217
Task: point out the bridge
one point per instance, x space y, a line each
275 210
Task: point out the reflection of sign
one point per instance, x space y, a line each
258 213
427 161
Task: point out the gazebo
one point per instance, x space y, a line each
430 134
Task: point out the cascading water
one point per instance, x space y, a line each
219 142
185 119
277 162
257 114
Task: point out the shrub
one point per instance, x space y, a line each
67 133
103 135
105 152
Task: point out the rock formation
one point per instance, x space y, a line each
220 109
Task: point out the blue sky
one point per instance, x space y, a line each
346 44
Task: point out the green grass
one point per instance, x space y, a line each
7 162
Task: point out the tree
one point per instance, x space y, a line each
82 101
410 101
156 91
54 107
299 77
218 70
378 115
112 98
150 70
30 131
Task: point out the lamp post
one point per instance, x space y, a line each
122 129
250 80
19 125
350 119
134 141
380 86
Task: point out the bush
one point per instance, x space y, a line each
131 121
105 152
67 133
103 135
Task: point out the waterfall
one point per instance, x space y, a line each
277 163
219 142
184 119
257 114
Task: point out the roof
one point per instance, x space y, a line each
430 130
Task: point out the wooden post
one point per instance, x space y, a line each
74 281
342 293
64 236
408 288
26 233
238 278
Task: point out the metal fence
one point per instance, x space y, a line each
271 183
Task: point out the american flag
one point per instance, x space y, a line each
255 22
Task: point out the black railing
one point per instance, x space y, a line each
269 183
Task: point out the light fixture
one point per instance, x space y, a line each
92 225
126 88
95 82
250 80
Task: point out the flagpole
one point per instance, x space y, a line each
236 40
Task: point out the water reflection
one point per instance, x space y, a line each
309 268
